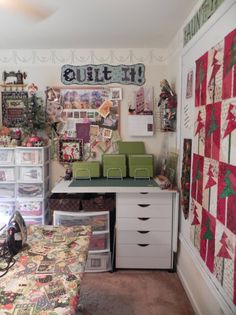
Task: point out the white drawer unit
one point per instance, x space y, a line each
99 258
144 230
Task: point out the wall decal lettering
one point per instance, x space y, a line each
103 74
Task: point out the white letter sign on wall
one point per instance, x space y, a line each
103 74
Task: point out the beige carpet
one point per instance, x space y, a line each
134 293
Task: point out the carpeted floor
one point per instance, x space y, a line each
134 293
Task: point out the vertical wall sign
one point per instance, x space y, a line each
205 11
103 74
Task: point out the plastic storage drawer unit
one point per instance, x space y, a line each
140 166
82 170
114 165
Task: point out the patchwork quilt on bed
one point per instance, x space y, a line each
47 274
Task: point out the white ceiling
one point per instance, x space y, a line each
94 24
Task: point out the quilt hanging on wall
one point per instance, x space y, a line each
213 212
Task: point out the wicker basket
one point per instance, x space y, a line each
65 202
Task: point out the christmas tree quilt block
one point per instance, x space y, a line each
213 187
229 69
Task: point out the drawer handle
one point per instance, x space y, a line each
143 205
144 193
143 232
143 245
143 219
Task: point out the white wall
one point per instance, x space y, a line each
205 294
43 68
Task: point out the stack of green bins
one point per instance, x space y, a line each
114 165
131 147
140 164
87 170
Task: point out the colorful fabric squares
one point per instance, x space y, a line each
213 205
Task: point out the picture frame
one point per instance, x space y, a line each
6 157
30 173
116 94
104 109
107 133
94 130
70 150
13 107
189 85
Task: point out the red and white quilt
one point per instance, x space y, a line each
213 191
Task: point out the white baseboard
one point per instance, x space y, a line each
225 305
188 292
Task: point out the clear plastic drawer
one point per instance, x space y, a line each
29 190
6 209
99 242
98 221
30 207
7 174
30 173
29 156
98 262
33 220
7 191
7 156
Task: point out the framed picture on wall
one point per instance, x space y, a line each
116 93
13 105
70 150
189 84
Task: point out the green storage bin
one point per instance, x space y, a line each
140 165
131 147
114 165
86 169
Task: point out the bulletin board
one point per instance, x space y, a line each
85 119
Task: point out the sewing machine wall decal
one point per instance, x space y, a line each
19 77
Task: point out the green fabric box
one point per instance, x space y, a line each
140 165
114 165
86 169
131 147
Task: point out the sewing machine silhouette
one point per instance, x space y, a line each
20 76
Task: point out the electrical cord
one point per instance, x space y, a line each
6 259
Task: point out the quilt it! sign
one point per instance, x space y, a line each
213 212
103 74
